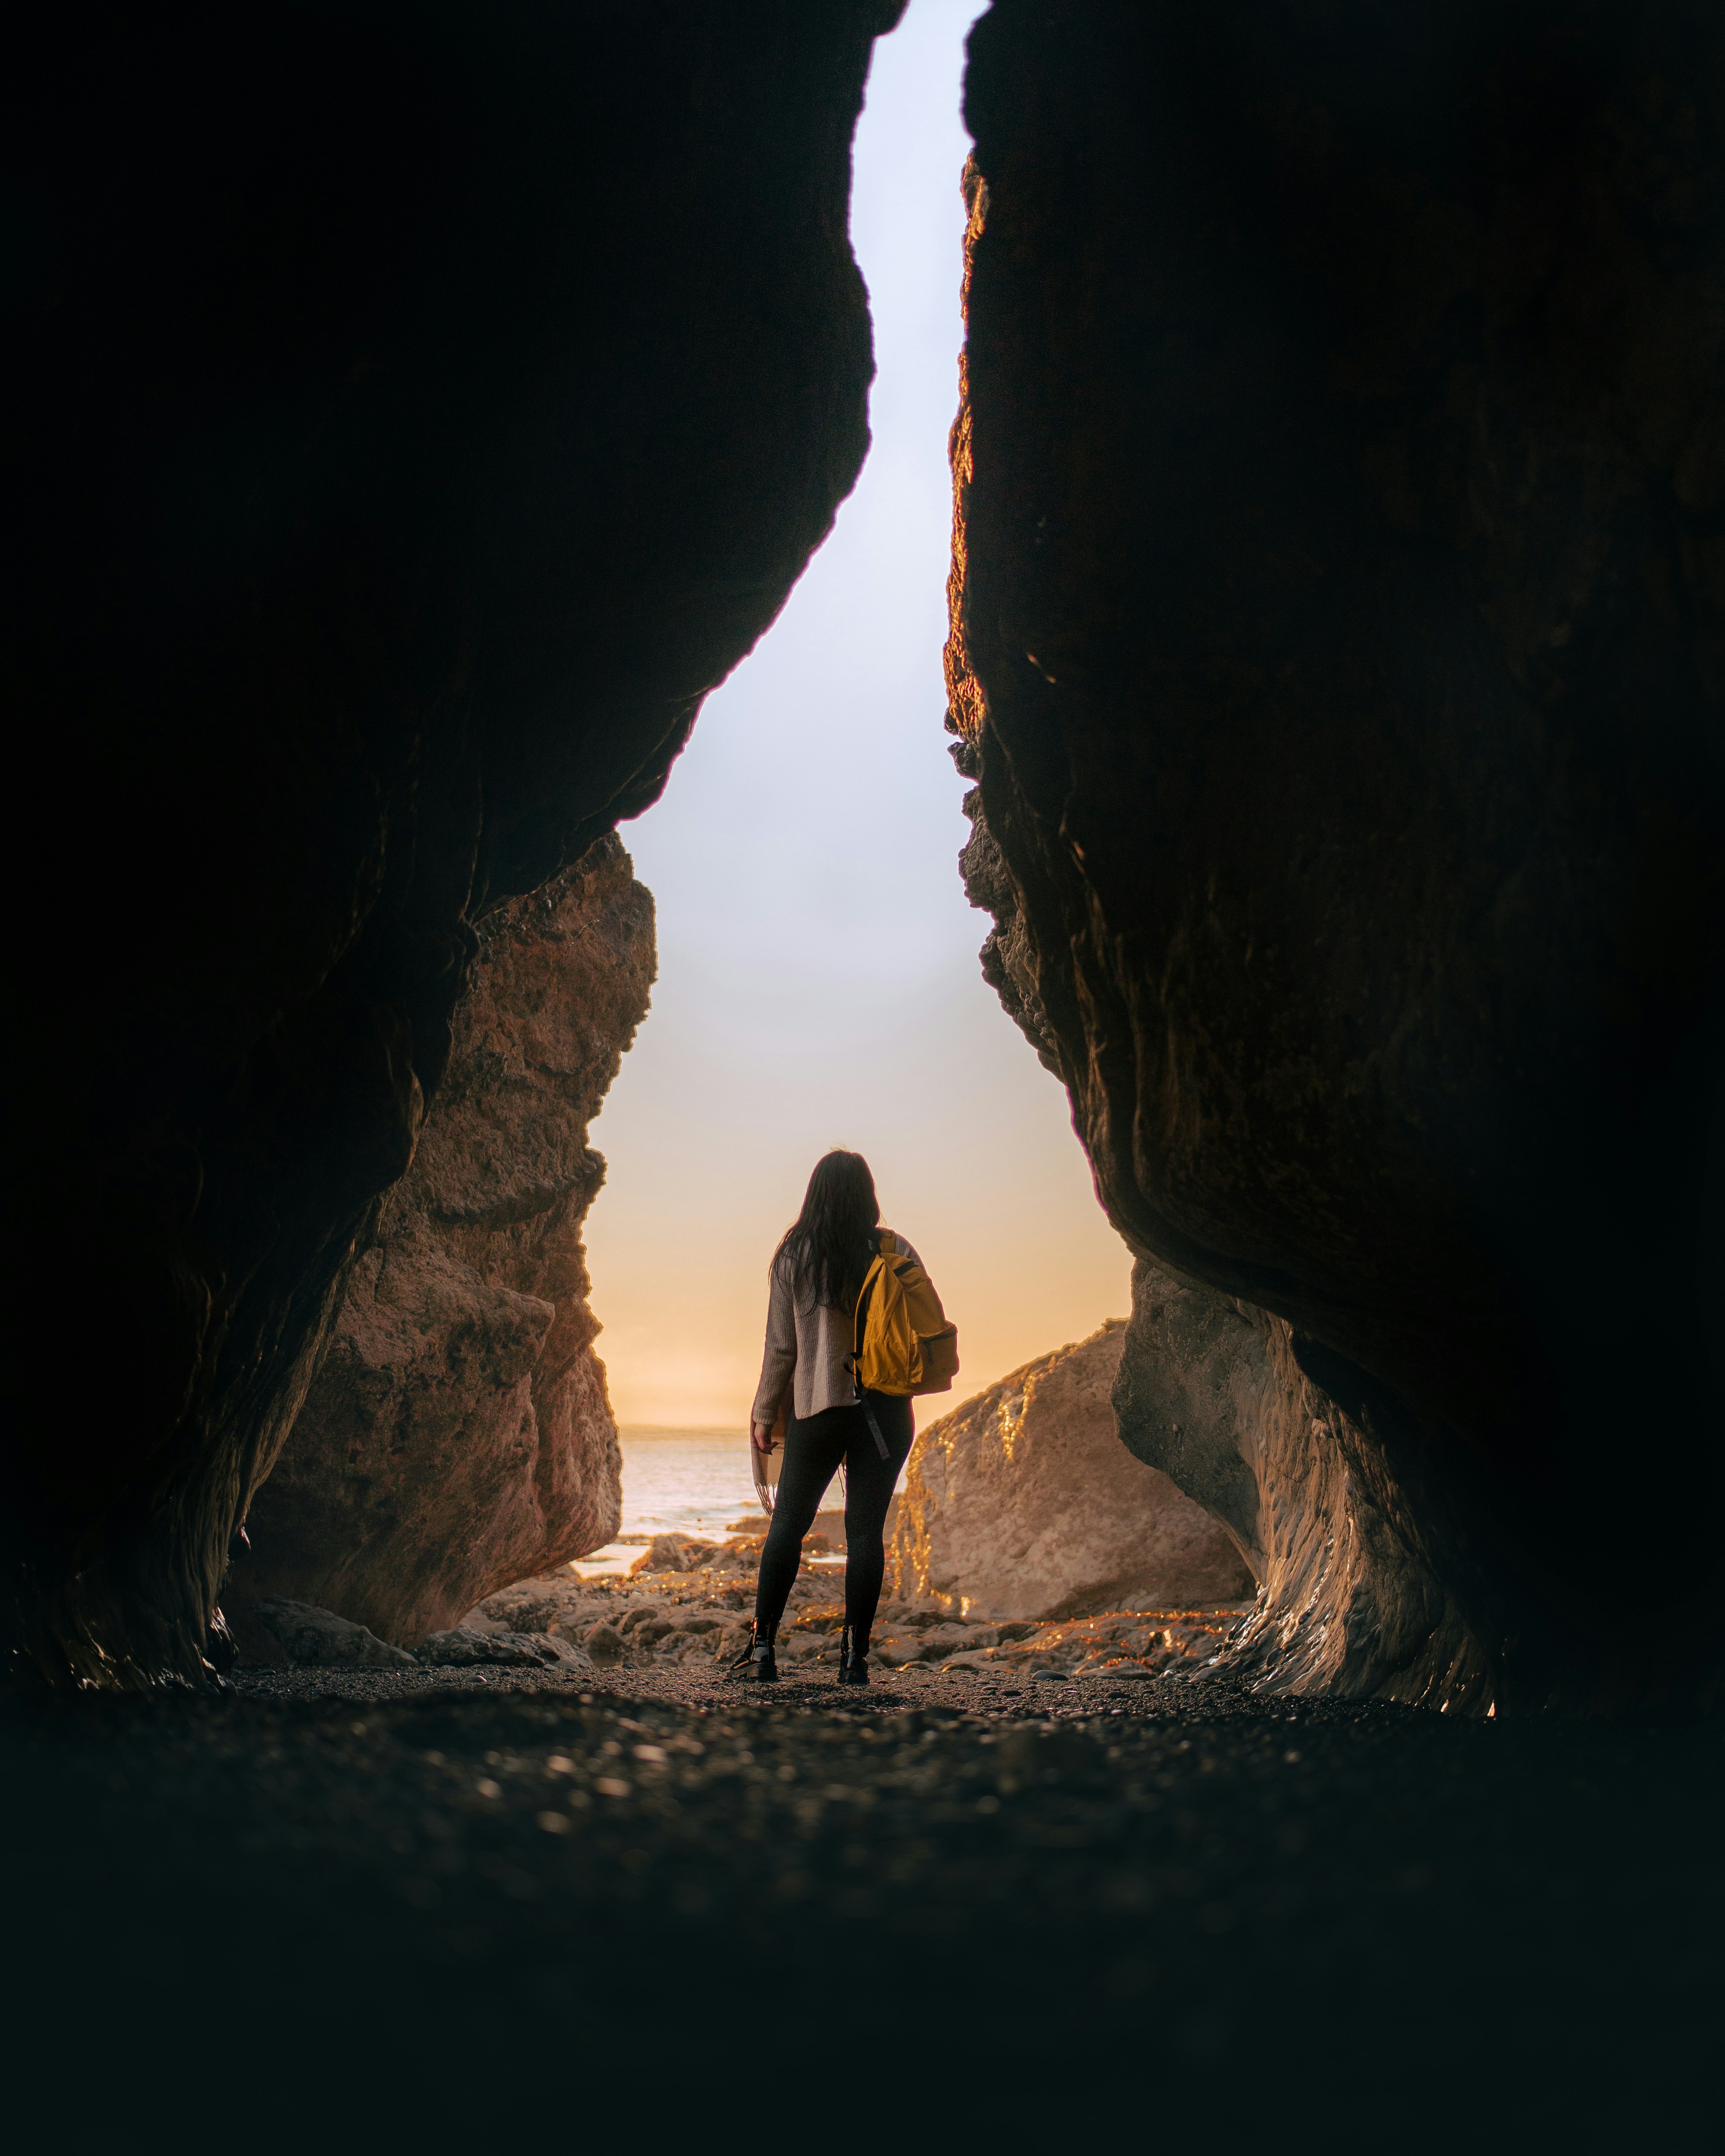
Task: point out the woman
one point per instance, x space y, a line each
817 1274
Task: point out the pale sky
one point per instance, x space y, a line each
817 974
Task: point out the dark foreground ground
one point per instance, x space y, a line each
469 1911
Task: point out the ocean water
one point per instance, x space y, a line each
689 1482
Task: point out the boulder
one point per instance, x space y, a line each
279 1633
458 1436
1024 1503
674 1553
941 1642
464 1647
559 1602
898 1650
1337 613
680 1642
681 1552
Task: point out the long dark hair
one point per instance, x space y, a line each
831 1244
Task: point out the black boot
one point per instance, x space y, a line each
853 1660
758 1663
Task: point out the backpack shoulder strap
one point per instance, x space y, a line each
858 1316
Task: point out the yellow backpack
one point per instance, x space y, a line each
900 1337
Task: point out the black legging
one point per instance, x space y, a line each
813 1452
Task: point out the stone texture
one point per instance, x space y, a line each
677 1553
1024 1503
458 1436
653 1619
466 1647
1340 598
1210 1389
279 1633
604 1645
392 505
674 1553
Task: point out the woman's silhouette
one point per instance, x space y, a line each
808 1373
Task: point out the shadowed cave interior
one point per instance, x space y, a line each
419 411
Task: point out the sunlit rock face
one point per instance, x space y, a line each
1023 1502
457 1436
1341 598
1210 1390
415 411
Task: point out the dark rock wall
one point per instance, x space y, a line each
1342 571
457 1436
413 411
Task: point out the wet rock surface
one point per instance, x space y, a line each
458 1434
1024 1502
1050 1912
1336 608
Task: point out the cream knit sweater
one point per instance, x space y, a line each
808 1353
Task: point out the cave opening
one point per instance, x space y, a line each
1341 609
817 979
482 1413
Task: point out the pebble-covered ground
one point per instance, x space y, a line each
459 1908
688 1601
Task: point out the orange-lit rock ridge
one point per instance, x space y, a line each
964 695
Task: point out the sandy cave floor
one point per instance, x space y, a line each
335 1909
